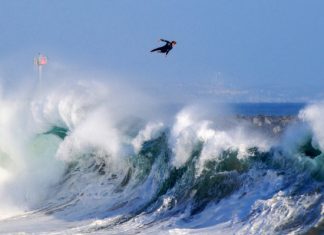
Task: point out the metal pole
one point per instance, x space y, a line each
40 78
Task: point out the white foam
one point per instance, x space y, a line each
189 129
94 114
313 115
151 131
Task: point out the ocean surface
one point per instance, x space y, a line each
267 109
89 159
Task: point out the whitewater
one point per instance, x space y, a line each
92 157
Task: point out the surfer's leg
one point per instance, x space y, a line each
157 49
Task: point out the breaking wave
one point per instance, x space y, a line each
92 159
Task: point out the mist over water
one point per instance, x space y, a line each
86 156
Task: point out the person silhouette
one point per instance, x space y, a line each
166 48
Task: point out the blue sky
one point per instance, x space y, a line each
252 51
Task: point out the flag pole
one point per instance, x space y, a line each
40 61
39 74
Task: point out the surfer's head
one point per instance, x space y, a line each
173 43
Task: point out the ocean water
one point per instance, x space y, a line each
268 109
89 159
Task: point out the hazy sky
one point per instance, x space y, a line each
252 50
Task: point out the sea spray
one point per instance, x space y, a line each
83 158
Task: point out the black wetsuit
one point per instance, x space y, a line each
165 49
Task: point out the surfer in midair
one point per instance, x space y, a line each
166 48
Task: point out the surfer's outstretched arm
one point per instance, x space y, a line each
163 40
